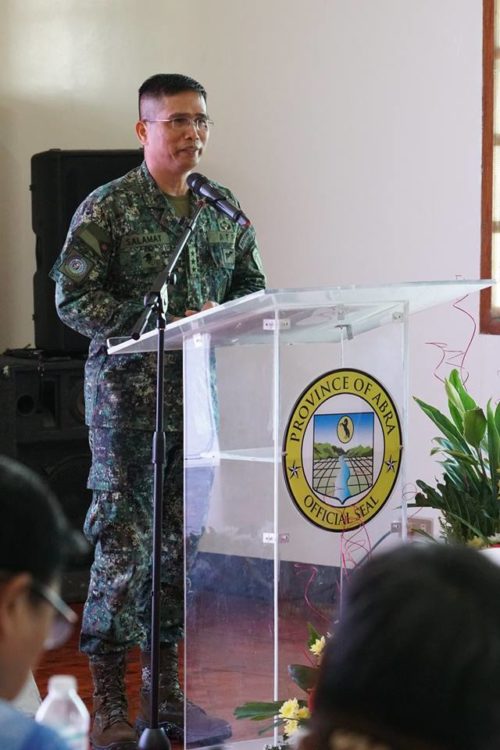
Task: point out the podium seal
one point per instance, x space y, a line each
342 450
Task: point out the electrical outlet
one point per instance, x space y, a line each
268 537
414 526
417 524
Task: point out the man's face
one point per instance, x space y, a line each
168 149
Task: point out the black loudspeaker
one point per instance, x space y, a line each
42 425
60 180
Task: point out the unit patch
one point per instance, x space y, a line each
76 266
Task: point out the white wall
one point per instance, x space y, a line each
350 129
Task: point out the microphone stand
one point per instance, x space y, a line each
154 738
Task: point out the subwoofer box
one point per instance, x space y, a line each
42 425
60 180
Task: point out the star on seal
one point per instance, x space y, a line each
391 464
294 470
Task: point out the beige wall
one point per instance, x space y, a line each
350 129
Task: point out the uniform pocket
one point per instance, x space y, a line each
223 255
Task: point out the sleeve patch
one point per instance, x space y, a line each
247 238
76 266
93 236
258 260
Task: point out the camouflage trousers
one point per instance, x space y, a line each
119 524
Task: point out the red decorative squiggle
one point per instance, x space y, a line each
304 567
455 357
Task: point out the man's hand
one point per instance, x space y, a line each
207 306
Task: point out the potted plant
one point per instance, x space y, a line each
468 495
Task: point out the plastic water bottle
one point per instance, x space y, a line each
64 711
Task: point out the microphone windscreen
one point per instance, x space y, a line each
195 181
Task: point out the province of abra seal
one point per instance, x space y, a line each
342 450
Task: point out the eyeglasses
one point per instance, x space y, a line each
64 620
183 122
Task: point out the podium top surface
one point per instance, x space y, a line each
304 315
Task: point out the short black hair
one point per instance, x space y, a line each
168 84
35 536
415 657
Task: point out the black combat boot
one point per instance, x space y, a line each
110 727
202 729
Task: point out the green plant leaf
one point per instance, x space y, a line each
258 711
312 635
467 511
474 426
303 676
429 497
277 723
465 477
455 405
493 446
446 426
457 383
461 457
474 529
443 443
457 416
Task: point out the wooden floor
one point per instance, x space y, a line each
68 660
229 656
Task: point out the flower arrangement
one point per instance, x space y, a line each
291 714
468 496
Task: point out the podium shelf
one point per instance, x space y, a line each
265 454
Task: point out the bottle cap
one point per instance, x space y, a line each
62 683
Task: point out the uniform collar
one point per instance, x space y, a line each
153 196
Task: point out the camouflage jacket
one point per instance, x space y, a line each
120 238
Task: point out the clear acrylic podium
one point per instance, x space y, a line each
260 563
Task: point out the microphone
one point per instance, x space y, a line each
202 187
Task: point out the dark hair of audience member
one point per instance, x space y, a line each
34 535
414 661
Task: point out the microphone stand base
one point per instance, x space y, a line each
153 739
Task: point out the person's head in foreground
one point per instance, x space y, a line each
34 536
414 663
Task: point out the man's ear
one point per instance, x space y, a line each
141 131
13 593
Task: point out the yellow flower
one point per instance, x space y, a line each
290 727
317 647
476 542
289 709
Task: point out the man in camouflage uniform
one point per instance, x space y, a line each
120 238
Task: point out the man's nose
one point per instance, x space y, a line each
192 126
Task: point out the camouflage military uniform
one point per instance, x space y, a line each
120 238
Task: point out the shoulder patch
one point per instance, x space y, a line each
76 266
94 236
258 260
247 238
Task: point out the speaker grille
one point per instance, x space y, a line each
60 180
42 425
